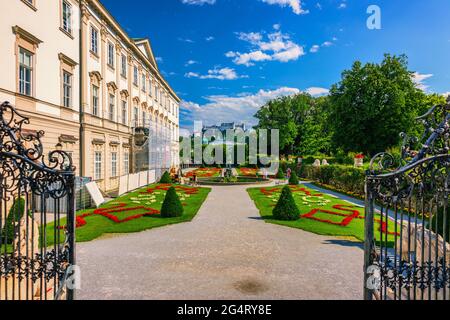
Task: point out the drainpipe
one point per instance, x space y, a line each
81 73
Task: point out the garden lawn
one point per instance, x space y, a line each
340 219
134 212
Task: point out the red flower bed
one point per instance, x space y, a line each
355 214
345 222
204 173
108 213
166 187
248 172
295 189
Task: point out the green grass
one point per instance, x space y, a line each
354 229
97 225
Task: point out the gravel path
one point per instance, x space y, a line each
227 252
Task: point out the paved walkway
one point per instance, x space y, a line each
227 252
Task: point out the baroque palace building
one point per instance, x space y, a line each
71 68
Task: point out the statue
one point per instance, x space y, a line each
316 163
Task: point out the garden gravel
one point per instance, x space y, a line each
226 252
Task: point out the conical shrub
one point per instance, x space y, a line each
286 209
15 214
280 174
172 206
165 178
293 180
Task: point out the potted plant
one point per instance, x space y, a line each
359 160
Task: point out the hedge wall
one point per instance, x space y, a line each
342 178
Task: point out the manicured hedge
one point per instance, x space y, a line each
15 214
286 208
172 206
343 178
165 178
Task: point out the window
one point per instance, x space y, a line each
67 16
113 164
136 116
95 100
124 112
136 75
126 163
144 118
25 72
67 89
30 3
124 66
110 54
94 40
156 93
150 87
143 83
97 165
112 106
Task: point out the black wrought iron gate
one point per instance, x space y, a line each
407 248
37 248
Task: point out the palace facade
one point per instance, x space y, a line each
71 68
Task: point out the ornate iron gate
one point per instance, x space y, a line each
407 250
37 248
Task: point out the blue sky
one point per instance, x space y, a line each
226 58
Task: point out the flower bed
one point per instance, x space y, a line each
134 212
204 173
248 172
321 213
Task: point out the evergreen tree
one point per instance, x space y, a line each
286 208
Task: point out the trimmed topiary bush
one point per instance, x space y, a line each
280 174
293 180
165 178
439 217
286 209
172 206
15 214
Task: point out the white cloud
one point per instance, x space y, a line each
446 94
327 44
186 40
247 59
190 63
219 74
296 5
276 47
198 2
342 5
317 91
159 59
210 38
419 80
239 108
314 49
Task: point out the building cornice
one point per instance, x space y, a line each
26 35
111 21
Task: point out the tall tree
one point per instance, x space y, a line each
279 114
373 103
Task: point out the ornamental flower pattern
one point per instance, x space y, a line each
204 173
140 203
317 201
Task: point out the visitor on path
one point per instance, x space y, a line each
194 179
288 173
